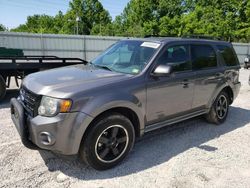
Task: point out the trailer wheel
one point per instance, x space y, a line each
2 88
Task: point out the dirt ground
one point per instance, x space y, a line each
189 154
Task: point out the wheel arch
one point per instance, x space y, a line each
125 111
228 89
230 93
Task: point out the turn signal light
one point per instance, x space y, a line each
65 106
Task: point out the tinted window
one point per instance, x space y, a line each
177 56
228 55
203 57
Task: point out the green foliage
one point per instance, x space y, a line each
2 27
229 19
170 27
90 13
39 24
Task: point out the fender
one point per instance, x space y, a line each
217 91
97 105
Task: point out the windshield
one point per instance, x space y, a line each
128 57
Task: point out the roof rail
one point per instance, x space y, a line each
202 37
148 36
207 37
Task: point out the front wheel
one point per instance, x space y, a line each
108 142
219 110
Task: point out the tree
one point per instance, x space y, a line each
118 26
37 24
170 26
243 25
171 8
104 30
220 18
91 15
2 27
136 14
90 12
145 17
229 19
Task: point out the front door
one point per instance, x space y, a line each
171 96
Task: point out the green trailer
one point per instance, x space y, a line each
7 52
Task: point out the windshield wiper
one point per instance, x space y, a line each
104 67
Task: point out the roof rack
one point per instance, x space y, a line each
207 37
148 36
202 37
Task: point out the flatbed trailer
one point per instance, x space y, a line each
19 67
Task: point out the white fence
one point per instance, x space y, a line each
242 50
85 47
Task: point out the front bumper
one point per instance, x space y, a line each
62 133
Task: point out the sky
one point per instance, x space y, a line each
15 12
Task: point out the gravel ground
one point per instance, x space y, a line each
189 154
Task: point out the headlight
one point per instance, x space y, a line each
51 106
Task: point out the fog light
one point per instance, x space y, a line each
47 139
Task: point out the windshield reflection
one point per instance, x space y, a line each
128 57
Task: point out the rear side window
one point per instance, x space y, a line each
203 57
228 55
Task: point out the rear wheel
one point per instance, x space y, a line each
108 142
219 110
2 88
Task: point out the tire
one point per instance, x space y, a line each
108 142
219 110
2 88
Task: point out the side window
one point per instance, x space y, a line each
203 57
228 55
177 56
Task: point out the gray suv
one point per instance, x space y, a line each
98 110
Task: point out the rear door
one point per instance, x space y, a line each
208 76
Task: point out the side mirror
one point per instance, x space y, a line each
163 70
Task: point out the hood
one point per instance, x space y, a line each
63 82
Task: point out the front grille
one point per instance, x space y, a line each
31 102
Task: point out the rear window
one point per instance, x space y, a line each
228 55
203 57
